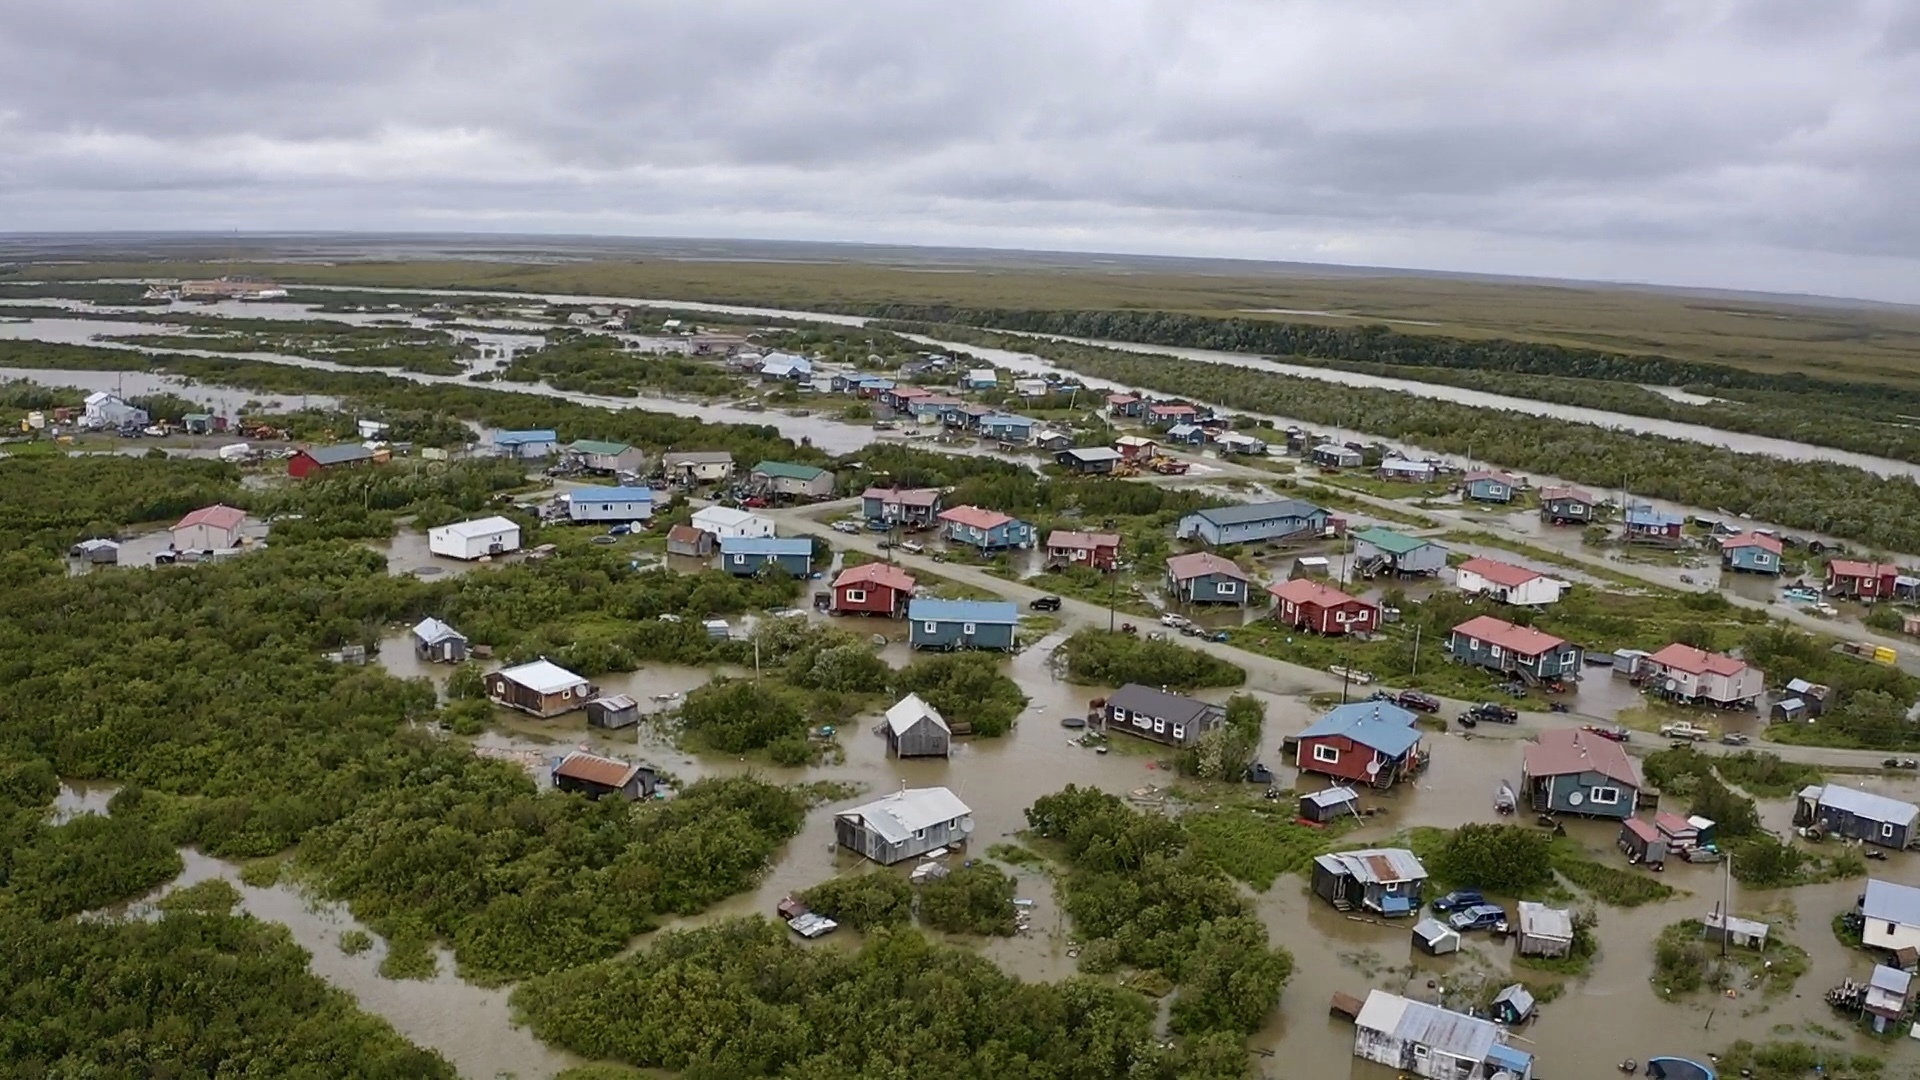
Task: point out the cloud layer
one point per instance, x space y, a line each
1763 144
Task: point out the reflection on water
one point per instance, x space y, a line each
77 798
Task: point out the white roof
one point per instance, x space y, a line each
1431 929
982 374
1736 925
723 516
1891 902
487 526
1539 920
909 711
1891 979
1383 865
542 677
1413 1022
431 630
898 816
1864 804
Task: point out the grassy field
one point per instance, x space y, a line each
1880 342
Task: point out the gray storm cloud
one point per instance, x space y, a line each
1768 144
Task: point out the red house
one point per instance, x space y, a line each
1367 742
1171 412
1098 550
1861 580
872 589
1124 405
317 459
1322 609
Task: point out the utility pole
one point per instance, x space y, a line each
1726 902
1416 652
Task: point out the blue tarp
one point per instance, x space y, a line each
1395 905
1667 1068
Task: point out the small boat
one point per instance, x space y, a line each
674 696
1504 800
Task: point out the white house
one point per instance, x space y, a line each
725 521
1031 387
1695 675
1507 583
474 539
697 466
1892 915
610 504
104 410
209 528
1429 1041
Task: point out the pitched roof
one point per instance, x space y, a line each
1376 725
898 816
1150 701
974 517
1759 540
1865 804
1856 568
998 419
766 545
1642 514
1094 453
1539 920
516 438
1181 431
1697 661
1391 542
1264 511
1505 575
1570 751
1891 902
486 526
723 516
598 446
432 631
789 471
931 609
875 573
696 457
541 676
909 711
615 701
338 455
1375 864
1485 474
1524 640
1565 491
685 534
1416 1023
219 516
1307 591
1122 399
594 769
610 494
1172 408
1063 538
903 496
1135 441
1201 564
1646 832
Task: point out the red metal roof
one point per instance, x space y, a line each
1303 591
684 534
1202 563
218 515
1122 399
975 517
1641 829
1673 824
1697 661
1857 569
1505 574
1565 491
1173 409
595 769
875 573
1061 538
1770 543
1524 640
1567 751
1483 474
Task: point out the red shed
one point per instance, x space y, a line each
1322 609
1861 580
873 589
1098 550
317 459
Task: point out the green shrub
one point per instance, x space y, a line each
969 689
1114 659
863 901
975 899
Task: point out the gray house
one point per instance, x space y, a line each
1544 931
788 480
1161 717
907 824
1858 815
916 729
437 642
1499 645
1379 551
1287 519
613 711
745 556
961 624
1570 771
1386 880
1206 578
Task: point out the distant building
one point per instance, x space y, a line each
690 541
725 521
537 443
600 456
318 459
613 711
541 687
1564 505
788 480
104 410
691 467
1495 487
1646 525
745 556
909 507
436 642
1857 580
1285 520
209 528
1336 456
1089 460
1508 583
1753 552
1206 578
596 777
610 504
987 530
476 539
1098 550
1379 551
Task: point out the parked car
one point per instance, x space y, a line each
1044 603
1495 712
1479 917
1684 730
1459 899
1734 738
1615 734
845 527
911 547
1417 701
1173 620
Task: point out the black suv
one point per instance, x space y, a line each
1045 603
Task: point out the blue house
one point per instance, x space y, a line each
846 382
1206 578
980 379
610 504
1858 815
1569 771
790 368
988 530
1187 434
1007 427
962 624
745 556
1253 522
538 443
1753 552
1489 486
1498 645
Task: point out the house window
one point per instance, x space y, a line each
930 626
1495 651
1179 732
1324 753
1886 831
919 834
966 628
1159 727
1227 588
739 558
1605 796
854 596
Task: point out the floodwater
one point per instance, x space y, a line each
78 798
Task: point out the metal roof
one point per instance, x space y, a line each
1890 979
1539 920
1308 591
542 677
432 631
1524 640
1202 563
975 517
1000 419
611 494
875 573
486 526
1094 453
1377 725
1865 804
1453 1034
516 438
338 455
1391 542
1734 924
615 701
697 457
788 470
1697 661
721 517
1383 865
1430 929
903 496
1498 572
219 516
1642 514
1333 796
1562 491
930 609
909 711
1505 1057
898 816
1571 751
594 769
766 545
1516 996
1891 902
1149 701
1266 511
1081 541
598 446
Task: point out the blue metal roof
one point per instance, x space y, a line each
998 419
611 494
766 545
1892 902
1506 1057
973 611
1647 515
1381 725
515 438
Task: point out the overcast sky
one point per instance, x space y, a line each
1771 144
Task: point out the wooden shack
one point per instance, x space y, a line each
1642 843
595 776
613 711
914 728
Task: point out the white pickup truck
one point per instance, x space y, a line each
1684 730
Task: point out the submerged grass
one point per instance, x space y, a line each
1257 844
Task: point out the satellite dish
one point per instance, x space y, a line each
1373 768
1575 799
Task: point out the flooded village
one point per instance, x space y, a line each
1452 733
